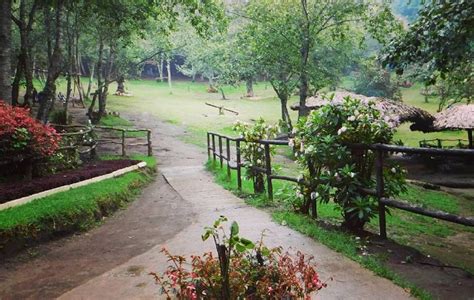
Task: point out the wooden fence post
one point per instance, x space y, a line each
213 147
220 151
268 167
208 146
150 149
227 146
123 143
239 170
380 192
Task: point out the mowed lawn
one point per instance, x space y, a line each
185 104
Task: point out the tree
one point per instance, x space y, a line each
374 81
24 69
295 35
441 39
5 49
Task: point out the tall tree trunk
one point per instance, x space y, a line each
249 85
168 67
304 51
16 81
91 80
5 50
54 69
160 67
105 86
120 85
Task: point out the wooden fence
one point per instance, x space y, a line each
444 143
120 139
380 150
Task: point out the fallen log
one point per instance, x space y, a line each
222 109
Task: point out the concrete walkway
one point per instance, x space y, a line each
182 167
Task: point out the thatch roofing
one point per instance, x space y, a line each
455 117
397 111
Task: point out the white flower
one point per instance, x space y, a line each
352 174
259 161
351 118
314 195
336 174
291 143
342 130
393 170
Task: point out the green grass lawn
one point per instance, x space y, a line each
74 210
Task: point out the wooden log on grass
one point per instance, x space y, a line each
222 109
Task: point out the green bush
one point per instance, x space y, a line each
332 170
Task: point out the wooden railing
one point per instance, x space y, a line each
442 143
381 151
120 139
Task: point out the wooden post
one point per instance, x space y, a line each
213 147
239 170
148 136
469 136
208 146
268 167
227 146
93 153
380 192
123 143
220 151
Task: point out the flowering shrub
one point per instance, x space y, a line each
335 172
242 270
24 135
253 153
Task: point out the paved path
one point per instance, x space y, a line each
182 166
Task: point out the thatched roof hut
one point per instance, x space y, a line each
397 111
456 117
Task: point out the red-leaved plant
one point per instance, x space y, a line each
23 135
242 270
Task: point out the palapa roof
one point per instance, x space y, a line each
397 111
455 117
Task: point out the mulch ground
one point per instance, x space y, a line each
15 190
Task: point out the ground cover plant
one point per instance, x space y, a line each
242 269
70 211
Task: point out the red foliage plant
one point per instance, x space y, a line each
22 134
255 272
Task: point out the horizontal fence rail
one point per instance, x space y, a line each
121 139
216 151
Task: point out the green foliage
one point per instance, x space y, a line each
441 38
332 170
373 81
254 153
309 43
